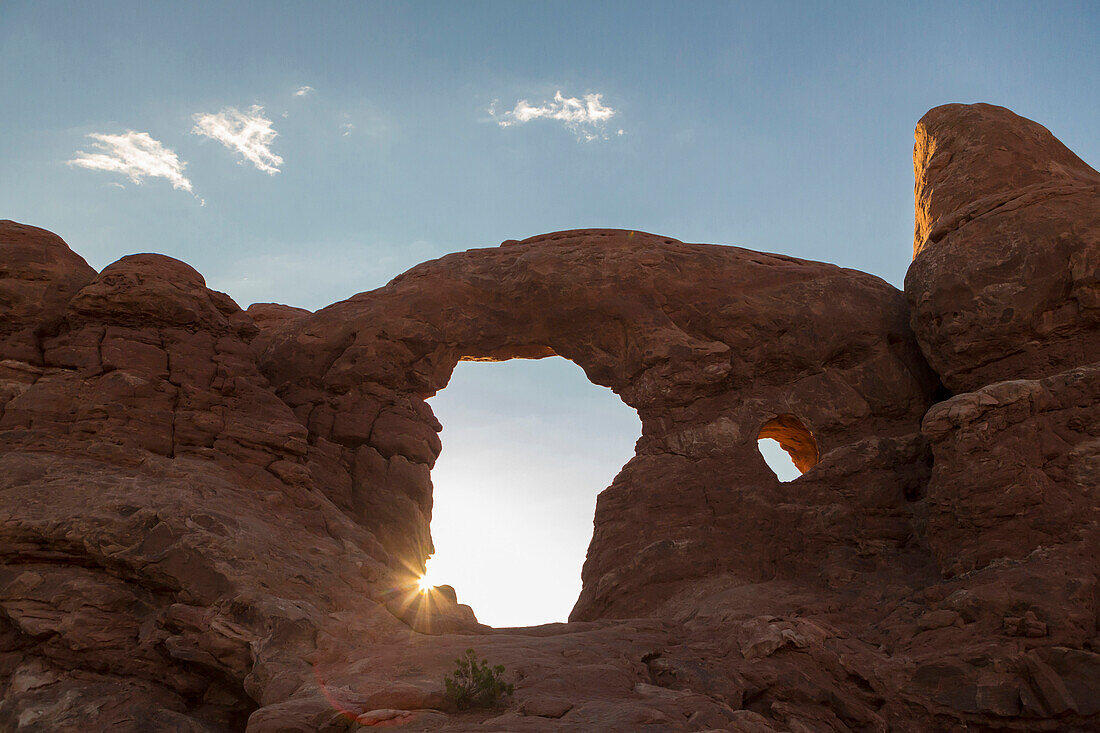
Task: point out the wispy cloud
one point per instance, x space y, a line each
346 129
248 133
584 116
136 155
303 91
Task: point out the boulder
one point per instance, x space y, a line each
1005 278
269 318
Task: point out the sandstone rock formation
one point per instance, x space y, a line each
1005 280
39 274
1017 468
213 519
709 344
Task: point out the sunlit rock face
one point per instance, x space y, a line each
213 520
1005 280
707 343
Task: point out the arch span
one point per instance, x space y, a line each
706 342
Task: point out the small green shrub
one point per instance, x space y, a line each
475 685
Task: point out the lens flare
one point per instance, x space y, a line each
425 583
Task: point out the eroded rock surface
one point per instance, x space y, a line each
1017 468
212 519
709 344
1005 280
39 274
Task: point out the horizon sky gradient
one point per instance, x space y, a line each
302 153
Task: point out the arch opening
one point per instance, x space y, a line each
527 446
788 447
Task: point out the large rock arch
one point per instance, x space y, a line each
707 343
207 513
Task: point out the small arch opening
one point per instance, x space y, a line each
788 447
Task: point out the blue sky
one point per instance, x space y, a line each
779 127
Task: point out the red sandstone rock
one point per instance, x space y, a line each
1017 467
147 470
211 520
269 318
1005 280
38 276
710 344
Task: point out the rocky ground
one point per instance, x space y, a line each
213 519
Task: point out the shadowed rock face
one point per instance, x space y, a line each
212 519
1017 468
1005 289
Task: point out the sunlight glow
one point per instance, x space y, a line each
426 583
527 445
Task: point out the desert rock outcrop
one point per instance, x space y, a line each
1017 468
212 519
709 344
39 274
1005 280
